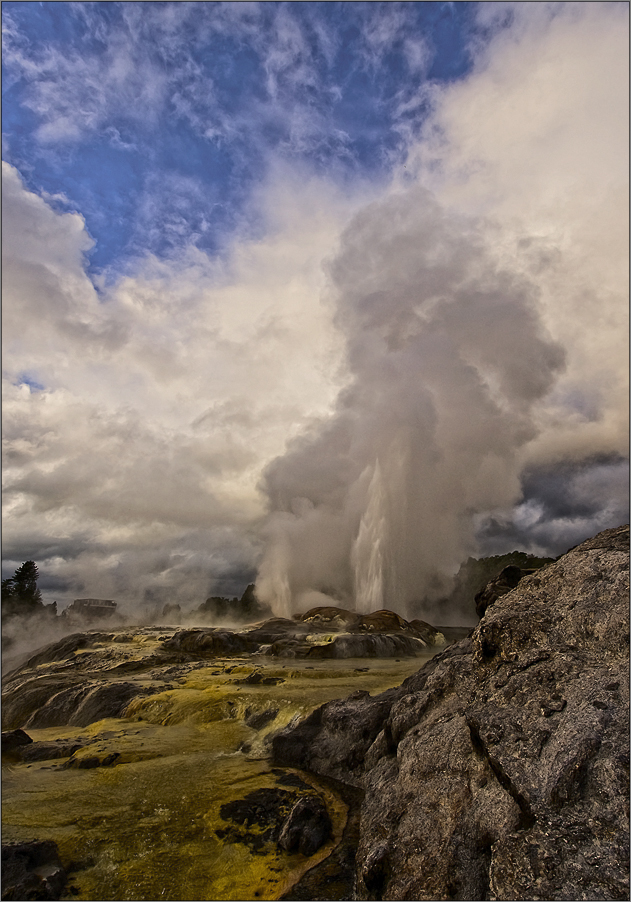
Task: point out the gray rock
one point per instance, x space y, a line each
66 647
85 704
308 826
48 751
21 698
48 701
13 741
32 870
334 739
498 586
210 642
369 647
258 720
500 769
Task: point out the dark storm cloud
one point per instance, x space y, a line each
563 504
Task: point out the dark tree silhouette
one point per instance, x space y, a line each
25 582
20 595
8 589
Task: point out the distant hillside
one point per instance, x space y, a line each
458 607
475 573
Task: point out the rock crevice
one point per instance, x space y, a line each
500 770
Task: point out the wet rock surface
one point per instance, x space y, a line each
48 701
321 633
81 679
334 877
32 870
500 770
257 819
83 705
259 720
307 827
96 704
296 822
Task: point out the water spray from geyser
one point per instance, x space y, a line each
447 358
368 549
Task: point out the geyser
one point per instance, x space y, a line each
367 556
447 358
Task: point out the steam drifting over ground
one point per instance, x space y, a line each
380 361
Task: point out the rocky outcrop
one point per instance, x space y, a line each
48 751
366 646
322 633
44 702
32 870
383 622
22 698
13 742
500 585
308 826
500 769
211 642
294 821
89 762
334 739
65 648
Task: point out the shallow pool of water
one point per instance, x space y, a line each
146 827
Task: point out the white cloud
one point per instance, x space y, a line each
163 399
392 28
536 139
143 68
74 94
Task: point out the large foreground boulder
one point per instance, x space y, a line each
500 770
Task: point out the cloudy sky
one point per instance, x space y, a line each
329 295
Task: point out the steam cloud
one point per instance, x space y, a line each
447 356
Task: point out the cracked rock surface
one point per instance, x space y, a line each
500 770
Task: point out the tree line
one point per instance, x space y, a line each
20 595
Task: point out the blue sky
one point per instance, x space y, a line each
155 120
297 292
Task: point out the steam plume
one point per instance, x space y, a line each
447 358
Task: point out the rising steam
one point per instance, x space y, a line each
447 357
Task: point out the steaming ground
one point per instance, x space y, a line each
23 636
